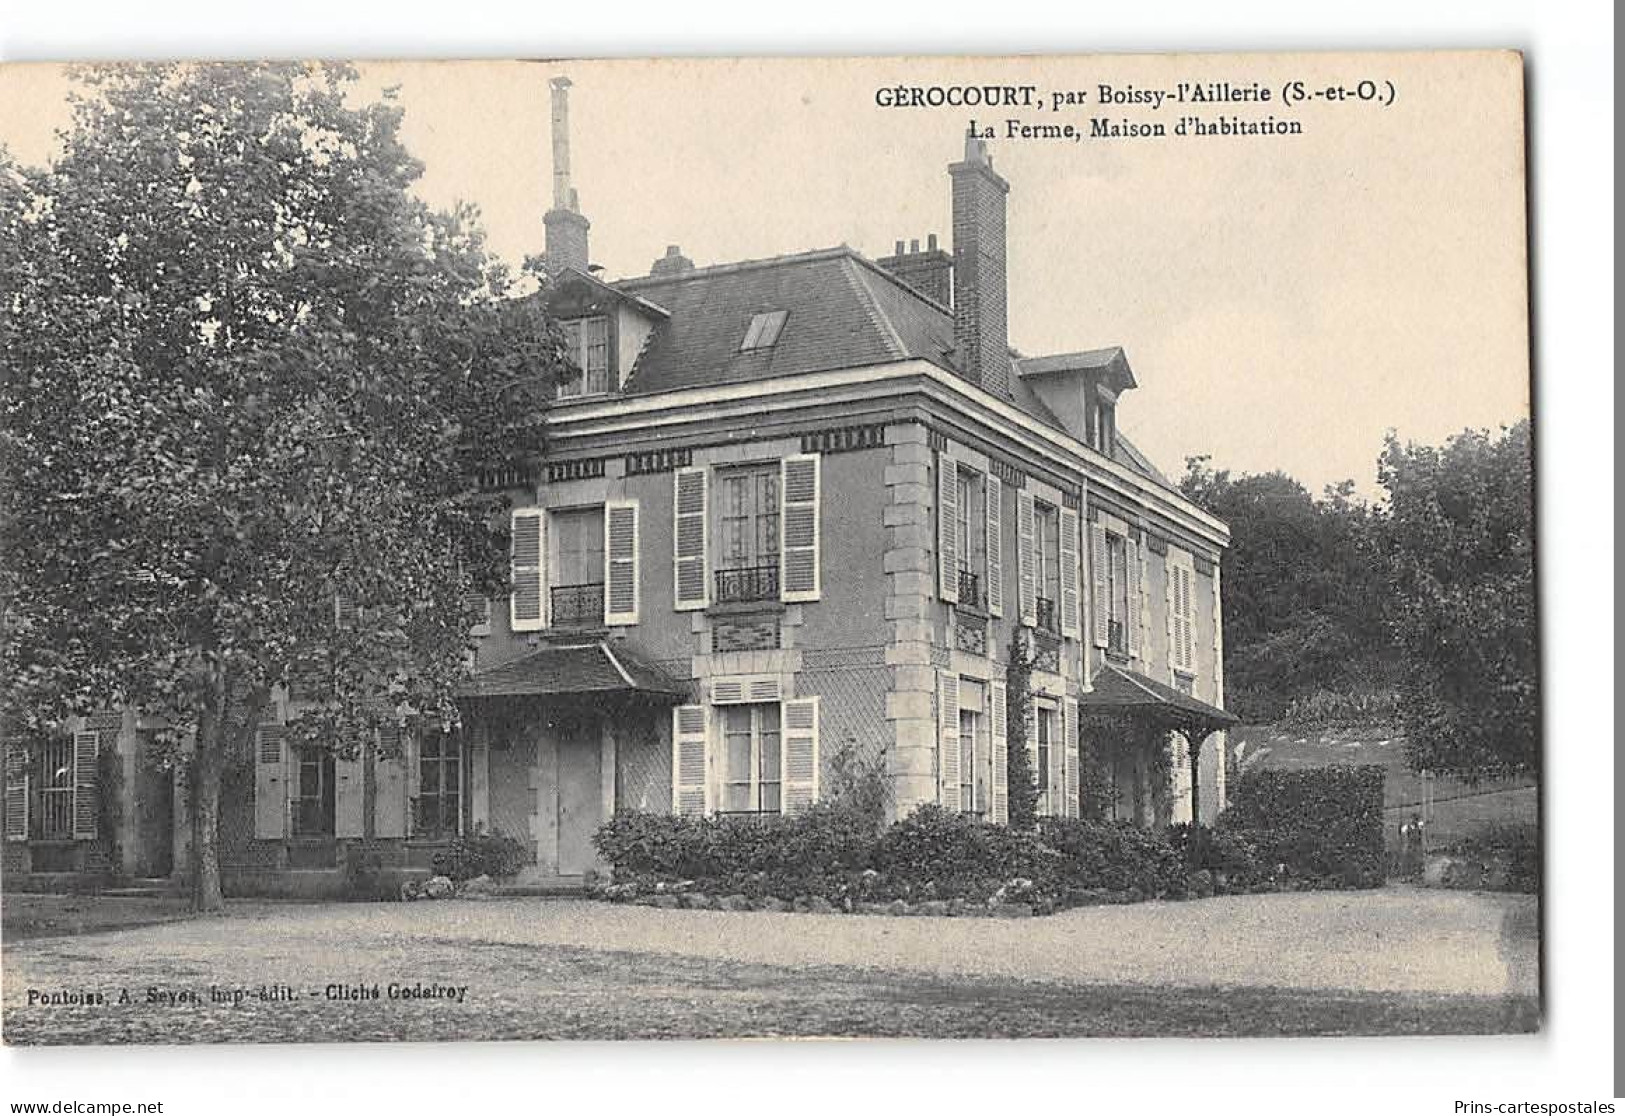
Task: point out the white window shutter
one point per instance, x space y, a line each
270 782
1187 609
1026 572
348 795
621 546
1132 621
800 573
1069 734
690 511
1098 560
948 789
690 771
16 792
995 546
411 760
799 756
85 745
1170 605
948 540
1030 719
1068 603
389 773
344 610
998 735
528 558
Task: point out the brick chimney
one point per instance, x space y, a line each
566 228
981 330
931 271
672 263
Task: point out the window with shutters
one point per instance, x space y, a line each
972 760
586 343
53 781
1182 618
437 810
312 800
752 759
971 510
1048 739
1047 564
575 575
1116 573
746 509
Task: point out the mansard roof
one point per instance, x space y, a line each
843 311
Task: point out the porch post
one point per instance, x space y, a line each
1196 738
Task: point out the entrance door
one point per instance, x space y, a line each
581 808
311 810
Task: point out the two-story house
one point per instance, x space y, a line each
796 512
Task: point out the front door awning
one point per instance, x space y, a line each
591 668
1127 692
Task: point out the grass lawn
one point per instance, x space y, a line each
573 993
25 915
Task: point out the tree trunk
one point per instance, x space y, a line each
206 766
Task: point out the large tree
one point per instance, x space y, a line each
1458 542
249 382
1302 589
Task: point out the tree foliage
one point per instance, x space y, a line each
1458 546
1302 589
1021 781
247 374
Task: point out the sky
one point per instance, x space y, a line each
1283 301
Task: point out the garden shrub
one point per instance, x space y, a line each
1217 850
481 854
1113 856
1322 824
1510 849
816 851
935 854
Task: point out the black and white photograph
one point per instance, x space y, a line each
880 547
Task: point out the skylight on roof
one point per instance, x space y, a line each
764 330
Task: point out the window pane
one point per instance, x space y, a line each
736 796
770 801
736 757
771 759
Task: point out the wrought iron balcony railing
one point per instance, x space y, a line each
578 606
970 591
748 583
1049 617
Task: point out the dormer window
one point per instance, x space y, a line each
764 330
586 342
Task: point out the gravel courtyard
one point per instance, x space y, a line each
1392 961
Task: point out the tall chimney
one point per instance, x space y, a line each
566 228
981 330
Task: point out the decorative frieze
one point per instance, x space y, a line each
845 439
658 461
588 468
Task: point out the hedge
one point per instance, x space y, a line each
1313 828
1321 826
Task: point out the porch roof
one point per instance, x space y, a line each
1117 690
587 668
